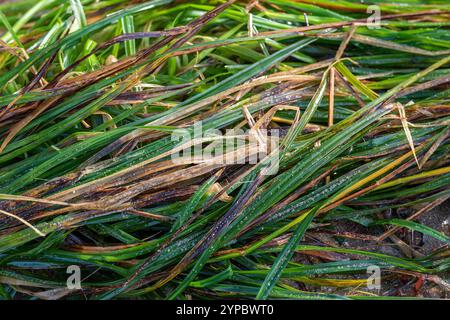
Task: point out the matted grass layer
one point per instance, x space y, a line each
92 91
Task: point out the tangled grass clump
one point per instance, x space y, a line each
91 93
